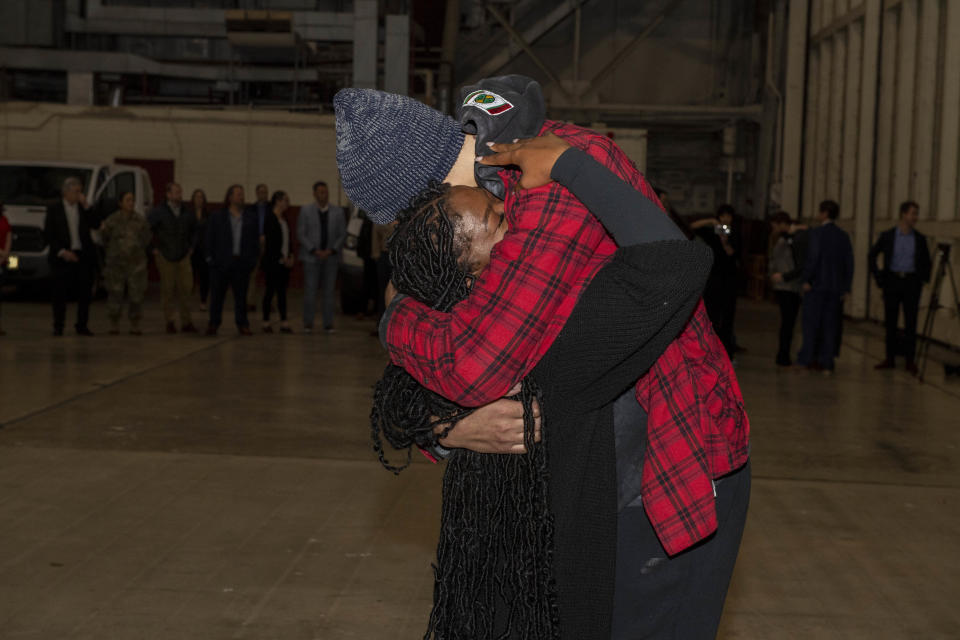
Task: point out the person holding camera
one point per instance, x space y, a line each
720 296
906 268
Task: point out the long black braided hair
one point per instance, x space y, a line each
494 573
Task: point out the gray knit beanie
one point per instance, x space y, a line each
389 147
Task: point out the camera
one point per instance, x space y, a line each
722 229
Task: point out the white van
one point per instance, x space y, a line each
28 188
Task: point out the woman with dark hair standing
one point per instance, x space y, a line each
198 259
277 260
233 246
554 542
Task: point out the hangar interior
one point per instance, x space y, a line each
180 488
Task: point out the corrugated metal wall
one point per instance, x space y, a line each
882 125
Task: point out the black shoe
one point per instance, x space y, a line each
211 330
83 331
886 364
912 369
286 330
171 328
58 332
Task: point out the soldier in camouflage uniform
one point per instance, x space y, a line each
126 235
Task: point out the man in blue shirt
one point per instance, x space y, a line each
906 267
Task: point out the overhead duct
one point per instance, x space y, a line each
261 29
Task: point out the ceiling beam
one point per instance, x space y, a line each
529 36
628 48
526 48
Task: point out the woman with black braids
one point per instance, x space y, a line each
528 541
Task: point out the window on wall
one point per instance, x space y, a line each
109 198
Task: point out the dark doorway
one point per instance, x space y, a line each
161 172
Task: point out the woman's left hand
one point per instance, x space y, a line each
493 428
534 156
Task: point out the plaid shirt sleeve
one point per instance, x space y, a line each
487 343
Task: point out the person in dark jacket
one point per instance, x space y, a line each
71 254
906 268
233 246
827 277
277 260
785 268
174 229
198 258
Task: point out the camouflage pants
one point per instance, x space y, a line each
129 278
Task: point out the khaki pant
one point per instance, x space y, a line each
176 282
130 279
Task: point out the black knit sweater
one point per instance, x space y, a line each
634 307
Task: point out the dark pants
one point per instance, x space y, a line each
383 279
901 291
71 279
370 286
821 317
277 278
236 277
789 302
201 274
680 597
721 304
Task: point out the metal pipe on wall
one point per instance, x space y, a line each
451 24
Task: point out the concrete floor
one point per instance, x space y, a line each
189 488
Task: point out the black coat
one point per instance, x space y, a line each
56 233
220 240
829 261
273 241
884 245
631 311
174 234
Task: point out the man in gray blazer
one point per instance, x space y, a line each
321 231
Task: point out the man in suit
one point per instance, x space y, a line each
263 209
906 268
321 231
233 248
827 276
72 256
174 229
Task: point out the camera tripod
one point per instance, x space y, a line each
943 268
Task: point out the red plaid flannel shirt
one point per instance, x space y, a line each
697 426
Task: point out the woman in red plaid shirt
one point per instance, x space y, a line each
697 431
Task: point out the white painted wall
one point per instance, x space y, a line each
878 87
211 149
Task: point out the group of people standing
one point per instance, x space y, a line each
814 267
813 270
193 249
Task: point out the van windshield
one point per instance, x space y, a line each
36 185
